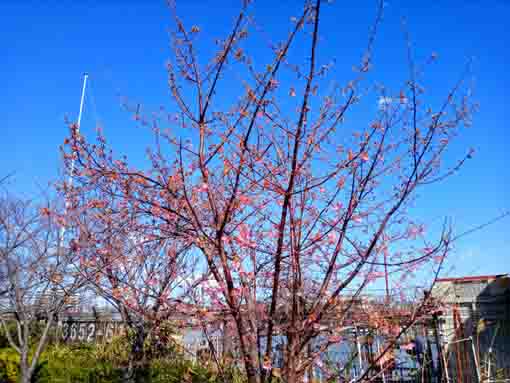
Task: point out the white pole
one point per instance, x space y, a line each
359 352
445 364
71 173
378 345
85 76
476 359
489 357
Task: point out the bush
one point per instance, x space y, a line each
106 364
36 329
9 365
160 342
115 352
11 327
76 363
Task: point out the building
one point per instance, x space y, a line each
475 326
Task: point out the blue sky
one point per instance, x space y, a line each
124 46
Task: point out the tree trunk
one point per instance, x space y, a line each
26 373
137 361
247 349
250 362
292 360
26 378
310 369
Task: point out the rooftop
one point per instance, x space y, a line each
476 278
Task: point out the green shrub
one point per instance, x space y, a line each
106 363
163 370
9 365
36 330
76 363
115 352
160 342
11 327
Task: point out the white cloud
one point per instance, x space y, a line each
384 102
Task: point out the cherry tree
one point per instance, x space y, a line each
38 278
132 265
295 210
